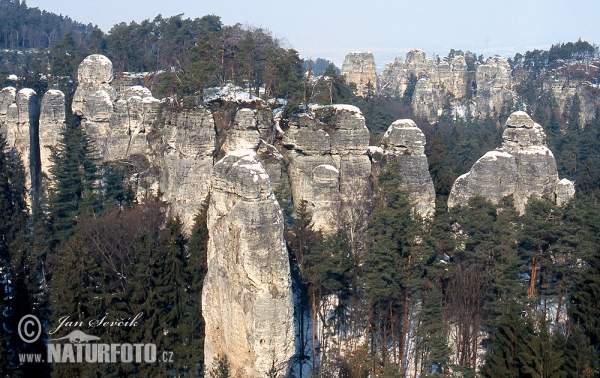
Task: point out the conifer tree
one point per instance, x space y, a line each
507 339
541 357
390 271
74 169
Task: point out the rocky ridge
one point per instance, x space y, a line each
450 87
523 167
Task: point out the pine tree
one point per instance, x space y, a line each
580 357
585 302
74 190
391 269
432 353
507 338
191 351
541 357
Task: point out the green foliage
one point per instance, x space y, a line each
541 357
14 257
319 66
74 190
22 27
507 336
221 368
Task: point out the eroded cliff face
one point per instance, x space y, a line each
247 299
328 163
52 125
523 167
184 160
404 143
360 69
494 86
19 119
117 122
439 83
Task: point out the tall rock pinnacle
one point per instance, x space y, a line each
247 299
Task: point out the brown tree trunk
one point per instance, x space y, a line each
534 265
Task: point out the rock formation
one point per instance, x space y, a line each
494 85
360 69
437 82
404 142
523 167
247 299
52 124
19 118
118 125
186 160
328 164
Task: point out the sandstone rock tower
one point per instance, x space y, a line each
328 162
247 299
404 142
437 81
52 124
494 85
360 69
117 122
19 117
523 166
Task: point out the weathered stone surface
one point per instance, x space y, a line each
360 69
273 162
565 190
187 161
523 167
95 69
135 90
94 97
438 82
405 142
564 89
243 133
328 163
52 125
494 85
7 97
129 126
247 299
494 174
18 124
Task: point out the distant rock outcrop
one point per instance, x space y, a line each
360 69
438 83
494 86
404 142
247 298
523 167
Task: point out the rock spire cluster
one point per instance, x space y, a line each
523 167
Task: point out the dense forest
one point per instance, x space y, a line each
477 290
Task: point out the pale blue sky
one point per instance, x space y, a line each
331 28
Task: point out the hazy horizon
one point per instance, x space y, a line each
331 29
